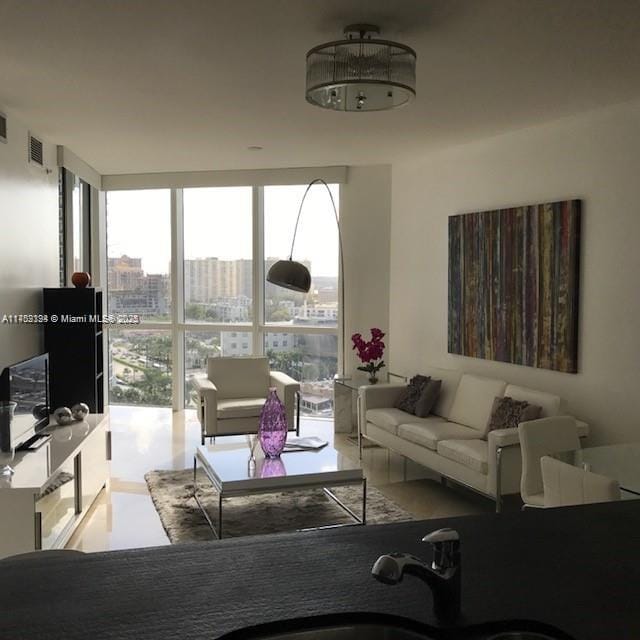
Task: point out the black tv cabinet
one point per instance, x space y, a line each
73 338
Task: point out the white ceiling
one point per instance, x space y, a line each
179 85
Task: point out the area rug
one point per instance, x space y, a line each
182 519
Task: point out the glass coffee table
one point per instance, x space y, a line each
618 461
230 474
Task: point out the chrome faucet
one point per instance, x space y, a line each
442 575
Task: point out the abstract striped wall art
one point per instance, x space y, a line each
513 285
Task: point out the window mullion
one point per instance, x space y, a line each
177 298
258 269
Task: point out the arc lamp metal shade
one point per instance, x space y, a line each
290 275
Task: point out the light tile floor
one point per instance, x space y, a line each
145 438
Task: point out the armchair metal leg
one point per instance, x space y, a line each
297 413
499 499
499 480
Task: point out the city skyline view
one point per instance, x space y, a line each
223 286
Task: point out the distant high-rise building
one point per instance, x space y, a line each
133 291
238 343
125 273
156 289
208 279
327 295
201 279
244 276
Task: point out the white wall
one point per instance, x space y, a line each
594 157
28 240
365 205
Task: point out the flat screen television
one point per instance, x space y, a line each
27 384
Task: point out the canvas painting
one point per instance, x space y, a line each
514 285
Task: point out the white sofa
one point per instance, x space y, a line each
454 441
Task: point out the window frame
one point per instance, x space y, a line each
70 236
257 327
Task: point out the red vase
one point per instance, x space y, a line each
81 279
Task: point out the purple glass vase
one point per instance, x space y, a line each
272 431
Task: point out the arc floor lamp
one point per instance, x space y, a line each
293 275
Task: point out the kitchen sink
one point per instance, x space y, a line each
368 626
351 632
520 635
350 626
384 632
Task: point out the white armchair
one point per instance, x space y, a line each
231 397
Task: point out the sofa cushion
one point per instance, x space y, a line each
408 399
450 379
427 432
551 404
508 413
240 408
474 400
470 453
388 419
428 398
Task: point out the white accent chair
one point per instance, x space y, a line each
540 438
566 485
232 395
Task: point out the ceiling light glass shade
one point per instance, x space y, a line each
361 73
290 275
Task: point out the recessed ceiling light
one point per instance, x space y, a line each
255 147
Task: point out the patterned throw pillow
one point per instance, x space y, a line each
508 413
408 399
428 398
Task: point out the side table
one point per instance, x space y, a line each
345 398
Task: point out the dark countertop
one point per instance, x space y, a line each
577 569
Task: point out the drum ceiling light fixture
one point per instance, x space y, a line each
361 73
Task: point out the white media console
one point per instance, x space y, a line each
54 486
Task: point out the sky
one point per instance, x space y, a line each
218 223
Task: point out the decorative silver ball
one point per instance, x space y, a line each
63 416
79 411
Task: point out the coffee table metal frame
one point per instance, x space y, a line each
299 483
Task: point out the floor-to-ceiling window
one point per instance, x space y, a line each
139 292
301 328
218 277
211 248
218 255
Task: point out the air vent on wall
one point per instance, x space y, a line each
36 155
3 127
